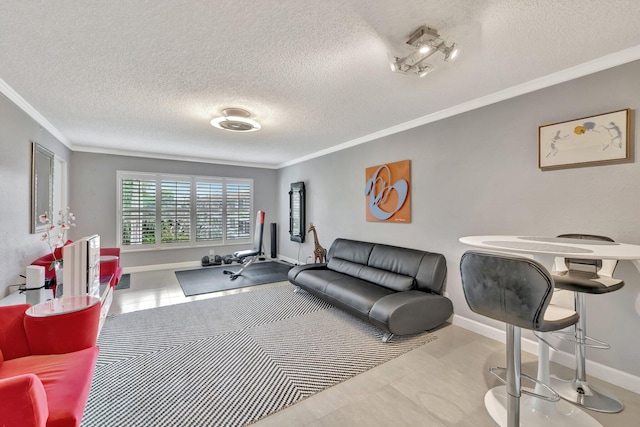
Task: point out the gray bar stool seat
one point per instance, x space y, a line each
585 276
516 291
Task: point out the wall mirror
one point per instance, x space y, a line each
42 164
296 212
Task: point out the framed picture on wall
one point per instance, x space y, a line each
593 140
387 191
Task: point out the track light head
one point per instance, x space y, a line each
426 42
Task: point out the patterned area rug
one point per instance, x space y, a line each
229 361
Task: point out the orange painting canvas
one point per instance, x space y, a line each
388 192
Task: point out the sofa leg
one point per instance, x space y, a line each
296 289
387 337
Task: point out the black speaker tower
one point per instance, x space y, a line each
274 241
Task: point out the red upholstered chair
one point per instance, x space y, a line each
46 366
111 267
47 259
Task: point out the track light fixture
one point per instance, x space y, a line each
426 42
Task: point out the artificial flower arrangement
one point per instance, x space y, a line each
55 235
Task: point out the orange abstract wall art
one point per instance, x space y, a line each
388 192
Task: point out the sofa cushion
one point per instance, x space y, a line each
351 250
66 379
356 294
397 260
390 280
317 280
343 266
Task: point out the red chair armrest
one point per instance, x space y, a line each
63 333
110 252
13 338
45 261
24 402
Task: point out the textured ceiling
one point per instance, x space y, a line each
145 77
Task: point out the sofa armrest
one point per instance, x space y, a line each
293 273
24 402
63 333
410 312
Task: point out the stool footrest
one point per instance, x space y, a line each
588 341
553 398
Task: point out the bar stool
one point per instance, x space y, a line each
585 276
516 291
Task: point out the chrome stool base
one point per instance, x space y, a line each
536 412
586 395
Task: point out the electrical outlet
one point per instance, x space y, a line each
212 252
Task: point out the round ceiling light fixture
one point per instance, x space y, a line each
236 120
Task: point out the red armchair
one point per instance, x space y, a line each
46 260
46 366
110 267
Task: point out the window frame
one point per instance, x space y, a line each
193 242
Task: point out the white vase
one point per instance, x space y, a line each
59 289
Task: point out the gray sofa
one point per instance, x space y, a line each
396 289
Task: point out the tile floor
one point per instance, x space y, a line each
439 384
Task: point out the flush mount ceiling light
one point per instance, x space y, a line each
236 120
425 42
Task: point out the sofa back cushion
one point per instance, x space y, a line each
393 267
343 266
13 338
351 250
384 278
397 260
429 269
432 273
387 279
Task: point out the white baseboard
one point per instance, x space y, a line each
597 370
154 267
289 260
177 265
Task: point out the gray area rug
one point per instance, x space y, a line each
212 279
229 361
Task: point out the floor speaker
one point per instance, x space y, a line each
274 240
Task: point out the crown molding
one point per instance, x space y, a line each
98 150
22 103
590 67
600 64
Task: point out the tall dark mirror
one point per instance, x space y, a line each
296 212
42 163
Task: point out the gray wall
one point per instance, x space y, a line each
476 173
19 247
93 200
